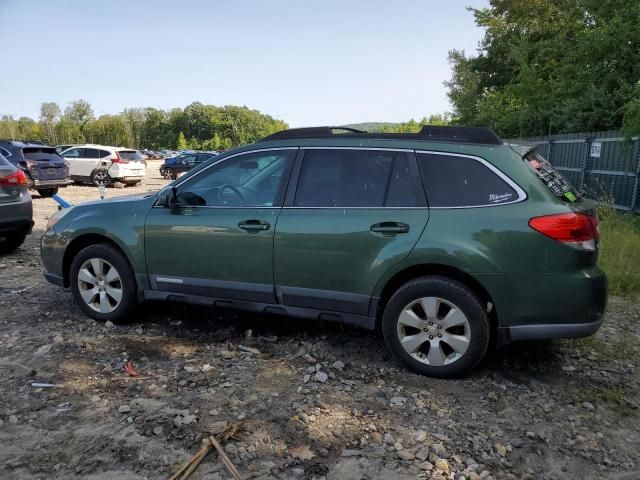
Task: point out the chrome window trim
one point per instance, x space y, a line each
522 195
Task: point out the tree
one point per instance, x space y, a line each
49 113
77 115
549 66
182 142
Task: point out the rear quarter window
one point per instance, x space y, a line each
453 181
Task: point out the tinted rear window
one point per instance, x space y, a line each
551 177
48 150
343 178
452 181
4 161
130 155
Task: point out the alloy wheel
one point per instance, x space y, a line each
434 331
100 285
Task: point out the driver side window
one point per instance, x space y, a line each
249 180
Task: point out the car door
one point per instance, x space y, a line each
217 239
73 156
349 216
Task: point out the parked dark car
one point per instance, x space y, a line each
175 167
15 207
45 169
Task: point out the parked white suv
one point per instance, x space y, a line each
103 165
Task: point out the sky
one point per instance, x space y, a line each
328 62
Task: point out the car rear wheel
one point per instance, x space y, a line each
101 177
167 174
9 242
48 192
103 283
436 326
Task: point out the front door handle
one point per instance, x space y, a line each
390 228
254 226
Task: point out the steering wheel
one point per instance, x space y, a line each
236 192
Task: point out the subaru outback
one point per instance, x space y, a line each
44 168
444 240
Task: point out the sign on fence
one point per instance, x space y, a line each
596 147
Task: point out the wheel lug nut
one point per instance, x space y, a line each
440 326
430 337
430 323
439 335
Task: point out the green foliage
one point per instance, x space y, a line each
197 126
182 142
620 251
550 66
413 126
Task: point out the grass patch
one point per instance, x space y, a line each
621 349
620 251
612 397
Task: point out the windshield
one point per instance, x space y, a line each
553 179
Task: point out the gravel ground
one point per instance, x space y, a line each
317 400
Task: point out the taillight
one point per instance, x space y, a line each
118 159
17 178
576 230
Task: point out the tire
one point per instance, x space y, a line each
91 272
48 192
10 242
174 176
446 342
100 176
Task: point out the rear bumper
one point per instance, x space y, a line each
546 306
50 183
16 226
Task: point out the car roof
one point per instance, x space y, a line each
23 143
106 147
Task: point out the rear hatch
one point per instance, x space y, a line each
44 163
578 229
133 161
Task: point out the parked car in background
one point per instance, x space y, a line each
180 165
15 206
445 240
44 168
103 165
62 148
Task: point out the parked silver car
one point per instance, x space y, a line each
16 215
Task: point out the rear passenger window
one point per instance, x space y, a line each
104 153
344 178
90 153
452 181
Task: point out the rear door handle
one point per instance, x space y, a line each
254 226
390 228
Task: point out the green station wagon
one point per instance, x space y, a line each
445 240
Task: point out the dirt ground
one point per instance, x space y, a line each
317 400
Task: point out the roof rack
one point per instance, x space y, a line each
436 133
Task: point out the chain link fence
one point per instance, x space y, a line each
602 165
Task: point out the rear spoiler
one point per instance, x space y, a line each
522 149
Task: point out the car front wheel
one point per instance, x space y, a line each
103 283
436 326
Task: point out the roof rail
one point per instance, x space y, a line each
436 133
309 132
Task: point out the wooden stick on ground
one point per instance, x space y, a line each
223 435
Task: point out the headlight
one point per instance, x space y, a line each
55 218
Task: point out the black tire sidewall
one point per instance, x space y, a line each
47 192
455 292
121 264
108 182
11 241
